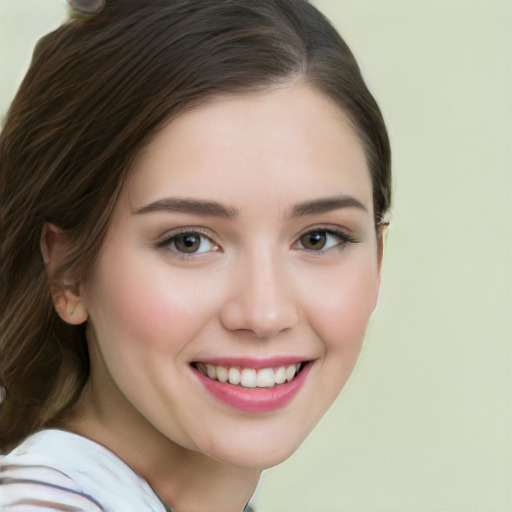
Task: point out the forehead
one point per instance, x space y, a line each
281 145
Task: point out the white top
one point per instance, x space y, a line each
57 470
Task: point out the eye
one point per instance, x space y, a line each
323 240
188 243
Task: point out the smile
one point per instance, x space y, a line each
250 377
258 387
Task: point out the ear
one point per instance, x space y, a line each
381 236
65 290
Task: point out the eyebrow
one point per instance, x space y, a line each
191 206
207 208
326 205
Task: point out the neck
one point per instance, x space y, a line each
204 484
192 482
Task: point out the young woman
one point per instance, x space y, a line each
192 195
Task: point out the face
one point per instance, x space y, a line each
231 296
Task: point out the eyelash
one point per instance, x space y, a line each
343 237
169 239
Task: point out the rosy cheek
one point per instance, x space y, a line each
341 313
156 307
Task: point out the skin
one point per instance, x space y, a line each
253 289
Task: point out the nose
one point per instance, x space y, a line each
262 300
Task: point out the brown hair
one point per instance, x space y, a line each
97 90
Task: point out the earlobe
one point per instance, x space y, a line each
66 293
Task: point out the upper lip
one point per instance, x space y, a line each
252 362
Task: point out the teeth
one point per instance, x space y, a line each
290 372
266 378
281 375
222 374
234 376
250 377
211 371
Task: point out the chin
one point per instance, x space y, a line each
257 449
257 458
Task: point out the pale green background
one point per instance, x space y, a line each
425 424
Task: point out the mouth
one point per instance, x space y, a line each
248 377
253 386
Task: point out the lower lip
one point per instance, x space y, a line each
255 399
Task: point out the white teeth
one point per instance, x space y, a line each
234 376
250 377
290 372
211 371
222 374
281 375
266 378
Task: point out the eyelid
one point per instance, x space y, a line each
185 229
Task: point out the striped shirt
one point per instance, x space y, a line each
57 470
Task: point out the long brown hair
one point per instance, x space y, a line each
97 90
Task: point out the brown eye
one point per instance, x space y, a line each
187 242
324 239
314 240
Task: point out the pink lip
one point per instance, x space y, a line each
255 399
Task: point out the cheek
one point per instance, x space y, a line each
346 312
148 307
341 306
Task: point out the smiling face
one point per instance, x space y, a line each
243 249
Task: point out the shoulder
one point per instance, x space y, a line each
57 470
41 488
